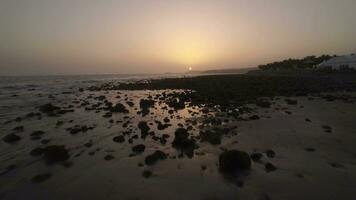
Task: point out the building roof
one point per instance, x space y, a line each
340 60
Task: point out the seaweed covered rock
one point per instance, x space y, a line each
138 148
233 161
119 139
183 142
156 156
48 108
11 138
175 103
145 105
263 103
211 137
142 125
118 108
55 153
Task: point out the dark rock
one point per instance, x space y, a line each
108 157
153 158
55 153
41 177
256 157
18 129
263 103
129 103
142 125
176 103
213 138
37 133
49 108
166 120
269 167
11 138
310 149
119 108
119 139
183 142
336 165
145 105
161 126
147 173
37 151
233 160
291 101
254 117
270 153
138 148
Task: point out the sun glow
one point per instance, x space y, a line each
189 51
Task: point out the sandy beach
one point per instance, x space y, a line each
133 143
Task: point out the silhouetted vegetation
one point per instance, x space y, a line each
308 62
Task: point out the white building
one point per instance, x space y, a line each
339 62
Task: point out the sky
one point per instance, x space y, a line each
43 37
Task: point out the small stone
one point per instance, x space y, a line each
256 157
153 158
269 167
147 173
270 153
41 177
11 138
55 153
119 139
109 157
138 148
232 161
37 151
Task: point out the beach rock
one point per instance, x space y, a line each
129 103
256 157
37 151
161 126
166 120
119 108
142 125
138 148
49 108
55 153
147 173
108 157
336 165
145 105
11 138
270 153
19 129
213 137
254 117
310 149
269 167
291 101
41 177
183 142
176 103
233 160
119 139
263 103
37 134
153 158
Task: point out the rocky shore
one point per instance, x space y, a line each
206 137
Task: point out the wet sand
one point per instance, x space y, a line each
301 147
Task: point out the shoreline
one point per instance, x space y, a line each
162 139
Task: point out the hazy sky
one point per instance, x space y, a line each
150 36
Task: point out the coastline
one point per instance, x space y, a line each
306 121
